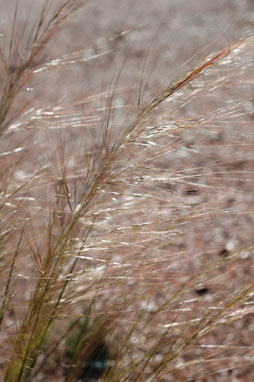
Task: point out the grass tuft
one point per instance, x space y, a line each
126 217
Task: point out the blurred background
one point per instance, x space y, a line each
164 35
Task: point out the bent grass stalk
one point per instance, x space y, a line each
73 238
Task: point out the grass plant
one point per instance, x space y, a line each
126 217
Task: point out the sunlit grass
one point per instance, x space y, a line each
111 216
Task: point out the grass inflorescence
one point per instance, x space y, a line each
126 217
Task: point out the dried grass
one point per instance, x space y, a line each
114 213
